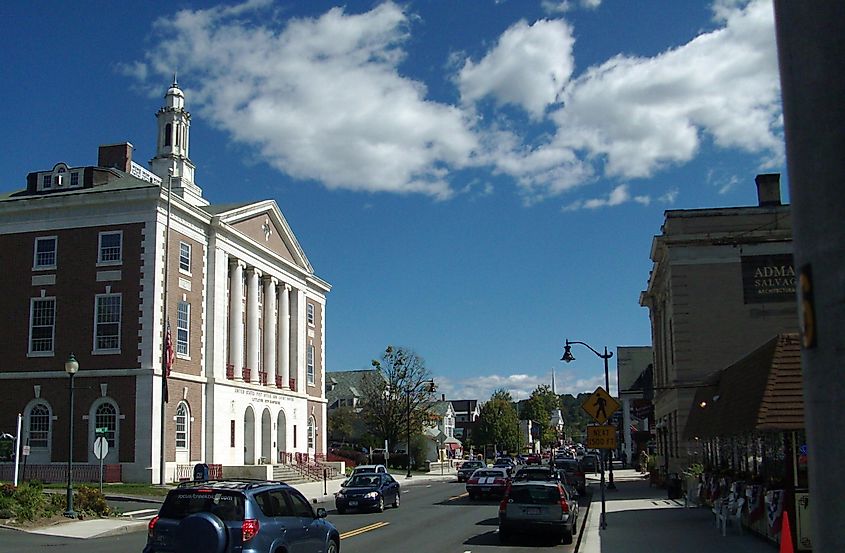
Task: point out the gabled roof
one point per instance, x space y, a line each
441 408
347 384
761 392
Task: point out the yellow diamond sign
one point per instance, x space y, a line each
601 437
600 405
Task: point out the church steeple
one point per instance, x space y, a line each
173 140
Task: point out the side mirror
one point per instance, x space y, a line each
321 512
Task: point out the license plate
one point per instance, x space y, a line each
353 503
532 511
485 489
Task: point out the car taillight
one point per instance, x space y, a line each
249 529
564 505
151 527
499 482
472 481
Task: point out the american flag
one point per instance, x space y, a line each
168 361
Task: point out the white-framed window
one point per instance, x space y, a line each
184 257
106 417
107 308
309 312
42 325
183 318
44 256
183 421
74 178
110 248
312 432
46 181
39 426
309 364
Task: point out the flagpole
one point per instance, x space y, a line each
162 466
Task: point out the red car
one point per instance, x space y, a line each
490 481
533 459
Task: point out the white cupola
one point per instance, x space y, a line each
172 142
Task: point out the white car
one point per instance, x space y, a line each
365 469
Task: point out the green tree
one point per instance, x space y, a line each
400 384
340 423
498 423
539 408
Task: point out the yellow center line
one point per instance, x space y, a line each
363 529
459 496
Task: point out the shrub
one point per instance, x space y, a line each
7 507
90 500
31 502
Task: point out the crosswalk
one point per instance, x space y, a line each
141 514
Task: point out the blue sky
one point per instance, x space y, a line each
478 180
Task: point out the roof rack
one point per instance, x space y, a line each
238 483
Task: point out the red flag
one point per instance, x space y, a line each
168 363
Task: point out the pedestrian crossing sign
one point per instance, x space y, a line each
600 405
601 437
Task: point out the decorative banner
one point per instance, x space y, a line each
768 278
754 495
774 509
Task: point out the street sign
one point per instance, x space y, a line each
102 431
601 437
101 448
25 450
600 405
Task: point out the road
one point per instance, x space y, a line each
433 518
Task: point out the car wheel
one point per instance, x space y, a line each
504 535
201 532
341 510
396 501
566 536
332 547
380 506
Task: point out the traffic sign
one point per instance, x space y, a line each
601 437
101 431
101 448
600 405
25 450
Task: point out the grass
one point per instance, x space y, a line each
143 490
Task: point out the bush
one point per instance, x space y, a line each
356 456
90 500
31 501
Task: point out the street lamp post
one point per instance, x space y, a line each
408 444
71 366
568 357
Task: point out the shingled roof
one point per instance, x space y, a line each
761 392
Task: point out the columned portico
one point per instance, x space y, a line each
236 317
283 341
270 329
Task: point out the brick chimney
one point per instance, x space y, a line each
768 189
118 156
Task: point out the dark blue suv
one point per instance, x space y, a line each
239 517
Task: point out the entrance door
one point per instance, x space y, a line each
249 437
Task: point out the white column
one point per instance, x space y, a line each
626 428
236 316
270 329
283 341
252 334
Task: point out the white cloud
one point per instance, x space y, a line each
618 196
563 6
528 67
519 385
319 99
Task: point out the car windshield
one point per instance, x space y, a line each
471 464
535 495
364 480
225 505
486 473
535 475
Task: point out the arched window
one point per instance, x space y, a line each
168 132
39 426
183 420
312 429
106 417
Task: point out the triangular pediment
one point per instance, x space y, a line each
264 224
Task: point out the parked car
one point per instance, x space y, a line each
368 491
239 516
506 463
574 472
536 473
467 468
365 469
488 481
533 506
533 459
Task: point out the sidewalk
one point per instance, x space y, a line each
641 520
313 491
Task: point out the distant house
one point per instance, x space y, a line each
345 389
467 412
441 442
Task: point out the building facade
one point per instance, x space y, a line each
100 261
631 363
722 283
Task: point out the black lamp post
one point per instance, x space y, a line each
568 357
71 366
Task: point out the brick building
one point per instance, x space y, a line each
97 261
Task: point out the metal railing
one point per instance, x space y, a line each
246 372
186 472
230 371
292 383
82 472
262 378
